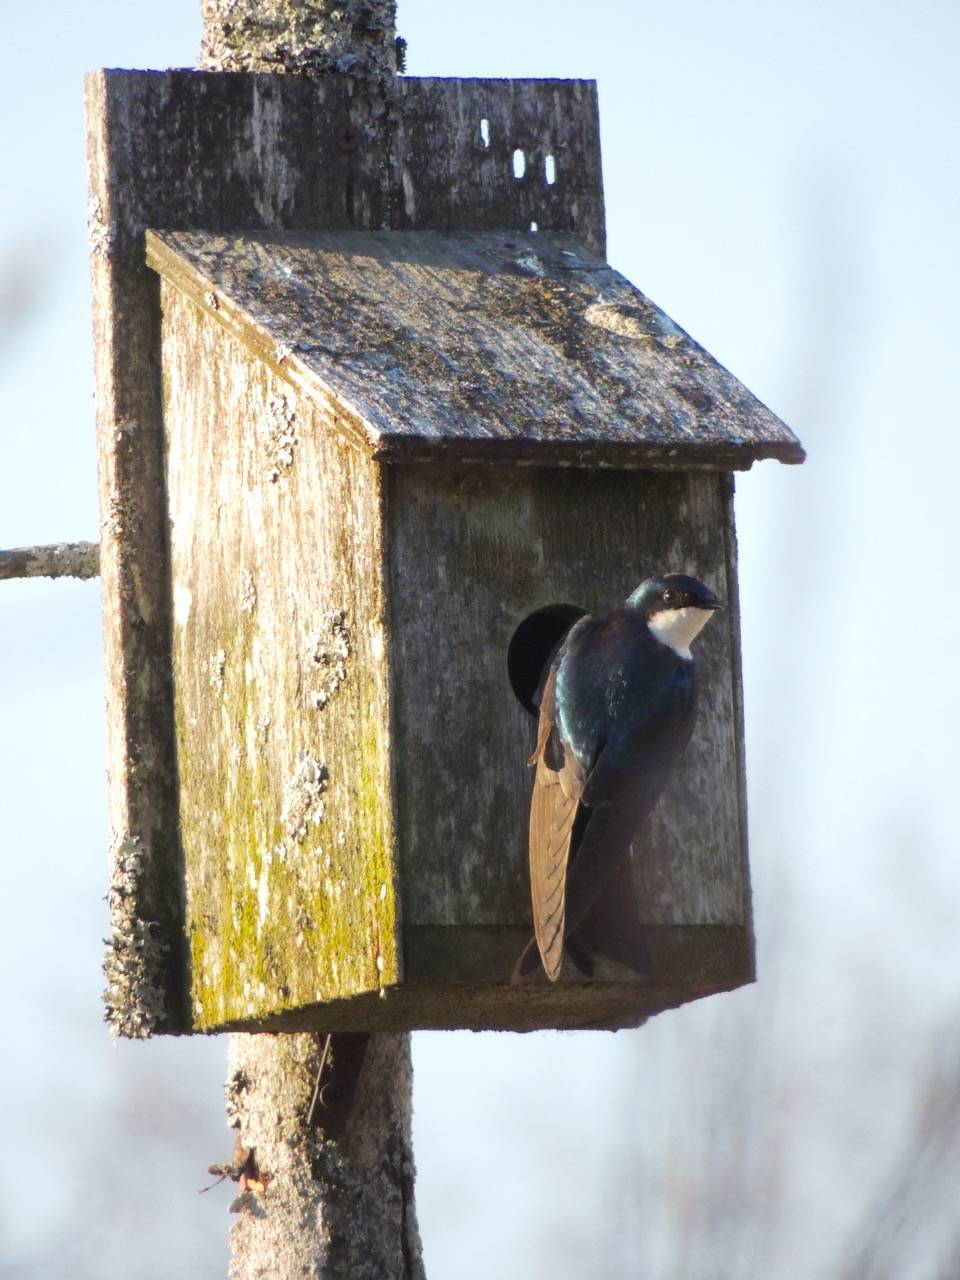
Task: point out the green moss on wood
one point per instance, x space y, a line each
327 924
280 709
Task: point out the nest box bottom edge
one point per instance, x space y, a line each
447 986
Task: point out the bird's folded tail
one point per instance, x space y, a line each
602 908
527 964
611 927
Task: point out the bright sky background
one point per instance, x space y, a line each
782 180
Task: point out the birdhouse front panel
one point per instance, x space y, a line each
280 686
472 551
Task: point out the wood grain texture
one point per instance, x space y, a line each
280 687
145 963
476 346
455 146
246 151
186 149
472 551
732 557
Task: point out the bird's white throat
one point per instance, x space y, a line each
678 628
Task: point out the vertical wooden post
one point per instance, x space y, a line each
340 1209
334 1209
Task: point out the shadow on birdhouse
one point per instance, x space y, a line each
388 456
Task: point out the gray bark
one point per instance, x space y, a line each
336 1210
62 560
356 37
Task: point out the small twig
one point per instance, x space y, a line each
324 1055
62 560
341 1061
243 1169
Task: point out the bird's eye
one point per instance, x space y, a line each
671 596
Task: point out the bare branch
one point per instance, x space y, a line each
61 560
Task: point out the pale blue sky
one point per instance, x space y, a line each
782 180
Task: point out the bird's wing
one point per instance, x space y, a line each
556 797
614 715
625 711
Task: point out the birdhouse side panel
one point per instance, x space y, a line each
473 550
280 692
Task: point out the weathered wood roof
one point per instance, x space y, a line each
491 346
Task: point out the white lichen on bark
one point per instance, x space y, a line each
280 437
328 650
61 560
303 803
134 1001
353 37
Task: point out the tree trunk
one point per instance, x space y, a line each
334 1209
356 37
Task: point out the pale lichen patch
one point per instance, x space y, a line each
248 592
280 435
134 999
303 803
642 321
182 603
216 666
327 652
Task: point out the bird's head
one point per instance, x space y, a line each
675 608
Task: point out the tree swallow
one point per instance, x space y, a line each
617 709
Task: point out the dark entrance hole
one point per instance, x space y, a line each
531 648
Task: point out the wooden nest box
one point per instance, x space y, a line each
383 451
